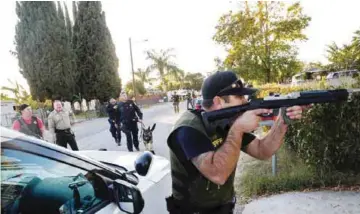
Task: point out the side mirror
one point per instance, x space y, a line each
128 197
131 178
143 163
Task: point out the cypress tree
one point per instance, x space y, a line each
96 58
42 50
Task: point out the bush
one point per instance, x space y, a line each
321 150
328 136
284 89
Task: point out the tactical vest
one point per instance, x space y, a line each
188 184
31 129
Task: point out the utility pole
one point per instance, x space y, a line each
132 67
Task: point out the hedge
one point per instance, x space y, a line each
328 136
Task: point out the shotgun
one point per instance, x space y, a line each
221 120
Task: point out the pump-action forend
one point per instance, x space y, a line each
222 119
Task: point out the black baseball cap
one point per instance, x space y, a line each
224 83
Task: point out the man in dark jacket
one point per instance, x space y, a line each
130 114
114 120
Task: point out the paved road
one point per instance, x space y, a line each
326 202
95 134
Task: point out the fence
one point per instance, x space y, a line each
148 100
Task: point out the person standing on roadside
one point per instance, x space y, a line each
29 124
176 100
60 126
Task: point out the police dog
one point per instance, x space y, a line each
147 137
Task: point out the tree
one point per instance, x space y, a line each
96 60
139 87
19 95
68 23
163 64
260 39
175 79
43 51
220 66
194 80
144 75
345 57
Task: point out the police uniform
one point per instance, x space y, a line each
176 99
114 120
59 124
192 192
129 114
189 100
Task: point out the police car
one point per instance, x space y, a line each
40 177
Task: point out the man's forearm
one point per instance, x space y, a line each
218 165
273 140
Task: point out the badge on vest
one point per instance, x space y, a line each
217 142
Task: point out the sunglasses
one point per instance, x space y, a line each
236 84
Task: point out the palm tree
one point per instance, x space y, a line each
17 90
144 76
163 64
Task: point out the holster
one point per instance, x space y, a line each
175 206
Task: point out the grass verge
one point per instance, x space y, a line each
292 175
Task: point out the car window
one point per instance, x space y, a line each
34 184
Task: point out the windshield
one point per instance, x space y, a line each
36 181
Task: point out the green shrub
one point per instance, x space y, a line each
321 150
328 136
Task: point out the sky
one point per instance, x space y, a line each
187 26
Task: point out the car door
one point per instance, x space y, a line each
36 179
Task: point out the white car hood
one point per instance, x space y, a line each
159 168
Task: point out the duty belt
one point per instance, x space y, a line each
175 206
63 130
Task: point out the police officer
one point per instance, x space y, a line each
114 120
202 164
130 114
176 99
60 126
29 124
189 100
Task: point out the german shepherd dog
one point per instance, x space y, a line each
147 137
